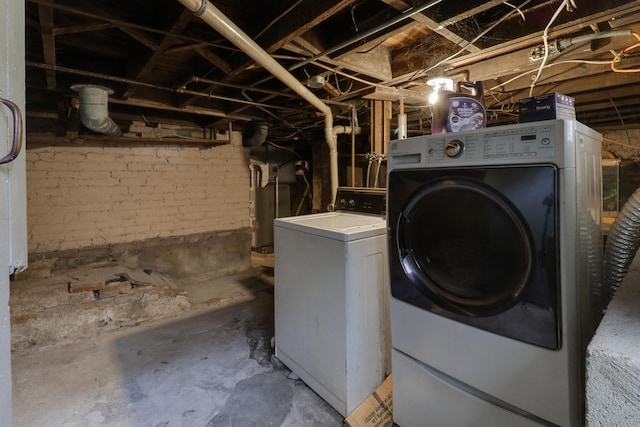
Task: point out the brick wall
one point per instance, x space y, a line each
96 195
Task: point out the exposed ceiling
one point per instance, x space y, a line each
166 65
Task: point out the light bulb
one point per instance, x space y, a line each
433 96
439 84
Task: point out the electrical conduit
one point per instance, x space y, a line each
223 25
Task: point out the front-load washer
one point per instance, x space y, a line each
495 255
331 298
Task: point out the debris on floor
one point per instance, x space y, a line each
82 302
52 307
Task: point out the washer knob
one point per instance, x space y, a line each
454 148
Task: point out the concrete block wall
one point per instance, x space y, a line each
104 194
613 359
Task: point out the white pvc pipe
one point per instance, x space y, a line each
223 25
402 126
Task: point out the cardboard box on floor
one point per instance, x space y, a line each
376 410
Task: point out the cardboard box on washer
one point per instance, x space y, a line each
549 106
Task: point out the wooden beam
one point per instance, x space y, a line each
43 139
75 29
421 55
185 48
132 31
434 26
471 12
214 59
139 36
73 119
188 110
510 65
306 15
48 43
178 26
122 24
376 63
380 126
301 19
581 89
521 43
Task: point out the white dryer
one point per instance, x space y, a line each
331 298
495 255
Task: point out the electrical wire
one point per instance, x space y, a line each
277 18
622 144
280 147
545 36
569 61
358 79
618 56
624 126
421 73
584 61
524 18
335 76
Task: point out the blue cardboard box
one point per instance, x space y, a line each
549 106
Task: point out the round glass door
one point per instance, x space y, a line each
465 246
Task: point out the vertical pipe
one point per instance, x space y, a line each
354 124
222 24
277 199
402 121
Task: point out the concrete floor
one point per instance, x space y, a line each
211 366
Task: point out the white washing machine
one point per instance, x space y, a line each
495 255
331 298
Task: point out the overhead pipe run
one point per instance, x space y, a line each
154 86
94 111
223 25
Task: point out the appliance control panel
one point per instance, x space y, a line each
520 142
363 200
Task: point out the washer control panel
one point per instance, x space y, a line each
522 142
454 148
364 200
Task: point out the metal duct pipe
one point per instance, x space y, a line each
256 134
621 247
94 111
223 25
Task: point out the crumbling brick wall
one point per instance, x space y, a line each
103 194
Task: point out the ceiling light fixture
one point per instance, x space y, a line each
316 82
438 85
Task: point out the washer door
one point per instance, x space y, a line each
479 245
465 246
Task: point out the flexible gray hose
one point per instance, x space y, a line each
622 244
564 43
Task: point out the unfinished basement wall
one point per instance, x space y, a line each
180 204
622 143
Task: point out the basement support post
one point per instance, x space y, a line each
380 125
